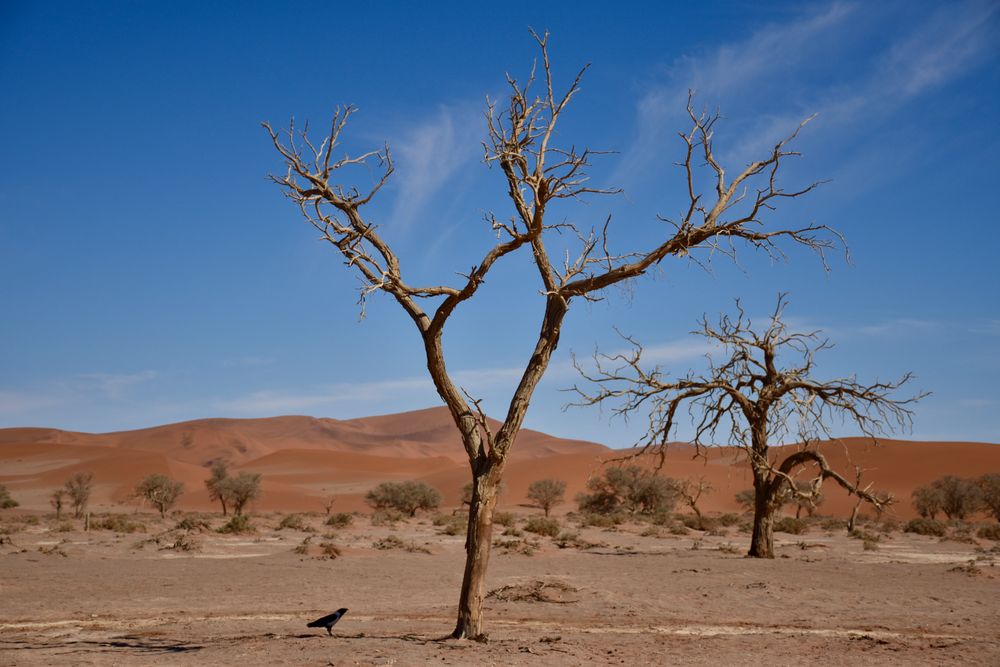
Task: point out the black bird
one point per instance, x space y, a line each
328 621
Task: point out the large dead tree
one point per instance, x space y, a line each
762 391
538 175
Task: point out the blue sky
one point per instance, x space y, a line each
150 273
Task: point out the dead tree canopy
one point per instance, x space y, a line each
761 391
537 172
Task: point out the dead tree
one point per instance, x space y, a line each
751 400
692 491
538 175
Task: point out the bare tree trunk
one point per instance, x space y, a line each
479 538
762 541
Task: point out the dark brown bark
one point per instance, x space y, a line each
762 541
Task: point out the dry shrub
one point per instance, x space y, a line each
833 524
650 531
593 519
556 592
926 527
394 542
506 519
728 548
386 517
870 545
541 525
679 529
340 520
193 524
728 519
183 543
293 522
118 523
991 532
790 524
569 540
864 535
524 547
63 527
52 550
238 525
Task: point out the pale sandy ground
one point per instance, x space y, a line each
638 600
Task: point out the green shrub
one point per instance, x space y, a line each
542 526
790 524
340 520
991 532
924 526
512 532
237 525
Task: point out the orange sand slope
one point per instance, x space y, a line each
305 459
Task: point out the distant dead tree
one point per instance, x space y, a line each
57 499
159 491
751 399
691 492
538 174
78 488
328 502
547 493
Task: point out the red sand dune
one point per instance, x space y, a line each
305 459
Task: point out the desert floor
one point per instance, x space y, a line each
633 595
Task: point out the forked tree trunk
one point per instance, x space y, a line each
479 539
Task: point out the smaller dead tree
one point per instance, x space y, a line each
58 500
691 492
547 493
751 400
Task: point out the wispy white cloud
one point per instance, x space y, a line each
112 385
18 403
428 156
777 66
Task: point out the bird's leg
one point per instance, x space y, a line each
329 630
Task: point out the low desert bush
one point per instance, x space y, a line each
991 532
63 527
588 519
506 519
386 517
394 542
789 524
292 522
513 532
237 525
833 524
698 523
926 527
118 523
728 548
193 524
542 526
522 546
864 535
679 529
728 519
870 545
339 520
454 525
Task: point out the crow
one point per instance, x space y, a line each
328 621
